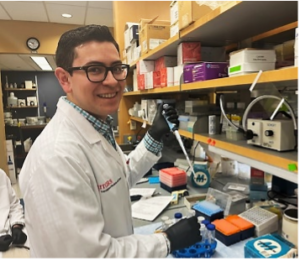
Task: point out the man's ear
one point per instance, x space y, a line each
63 78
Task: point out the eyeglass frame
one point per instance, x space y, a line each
107 69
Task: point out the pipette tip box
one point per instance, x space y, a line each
209 210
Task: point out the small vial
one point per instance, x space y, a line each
205 223
200 219
177 216
169 223
247 204
203 232
164 226
210 233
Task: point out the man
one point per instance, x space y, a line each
75 179
11 215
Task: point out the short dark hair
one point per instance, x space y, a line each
65 53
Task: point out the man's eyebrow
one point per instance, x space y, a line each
100 63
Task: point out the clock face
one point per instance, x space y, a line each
33 43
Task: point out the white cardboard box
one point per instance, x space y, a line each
178 70
252 56
145 66
149 80
173 12
174 29
28 84
246 68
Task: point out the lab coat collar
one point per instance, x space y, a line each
85 127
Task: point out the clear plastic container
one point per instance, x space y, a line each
210 233
237 187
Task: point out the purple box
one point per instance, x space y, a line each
204 71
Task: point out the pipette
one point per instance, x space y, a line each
174 129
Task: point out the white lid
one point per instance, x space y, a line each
12 94
200 219
164 218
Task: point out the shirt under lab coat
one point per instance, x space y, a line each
76 193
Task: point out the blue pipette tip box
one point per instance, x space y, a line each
153 180
209 210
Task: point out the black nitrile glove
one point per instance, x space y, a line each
18 236
159 126
5 242
184 233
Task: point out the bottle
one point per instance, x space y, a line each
210 233
247 204
12 100
164 225
177 217
202 227
205 223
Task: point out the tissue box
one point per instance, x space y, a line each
269 246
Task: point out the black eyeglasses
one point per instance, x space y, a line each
98 73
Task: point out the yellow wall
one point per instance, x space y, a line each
3 155
13 36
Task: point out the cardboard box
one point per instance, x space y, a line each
204 71
153 35
190 11
178 70
174 29
167 77
141 81
252 56
165 61
144 22
247 68
174 12
188 52
143 66
133 33
156 79
149 80
28 84
127 34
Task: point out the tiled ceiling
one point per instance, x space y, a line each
83 13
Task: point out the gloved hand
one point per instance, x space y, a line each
18 236
184 233
5 242
159 126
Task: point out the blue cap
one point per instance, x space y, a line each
205 222
178 215
211 227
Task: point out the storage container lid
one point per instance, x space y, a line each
225 227
173 171
241 223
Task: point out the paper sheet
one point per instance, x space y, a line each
145 192
149 209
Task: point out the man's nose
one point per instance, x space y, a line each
110 79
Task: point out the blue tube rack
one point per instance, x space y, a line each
200 249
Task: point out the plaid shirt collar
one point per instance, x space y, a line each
101 126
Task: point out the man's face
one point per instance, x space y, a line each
99 99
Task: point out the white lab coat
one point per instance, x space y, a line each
76 193
11 210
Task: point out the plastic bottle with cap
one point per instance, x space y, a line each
247 204
204 236
202 227
210 233
177 216
164 225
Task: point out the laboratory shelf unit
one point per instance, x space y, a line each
280 75
154 91
267 160
236 21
